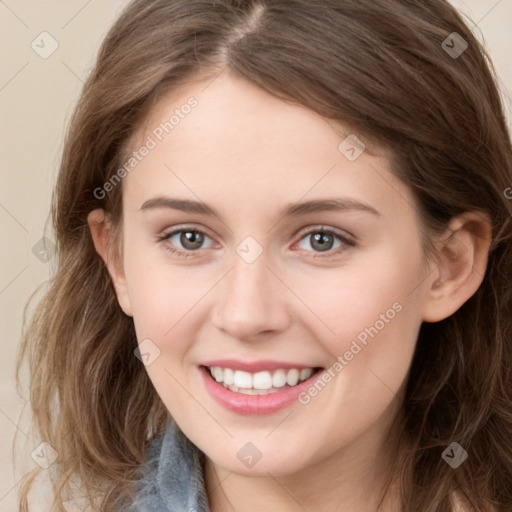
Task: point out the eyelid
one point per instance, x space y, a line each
184 227
326 229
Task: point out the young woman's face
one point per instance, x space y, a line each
311 260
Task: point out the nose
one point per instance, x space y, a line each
251 300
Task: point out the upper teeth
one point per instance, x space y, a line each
260 380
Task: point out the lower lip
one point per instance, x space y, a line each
252 405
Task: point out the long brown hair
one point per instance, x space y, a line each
380 66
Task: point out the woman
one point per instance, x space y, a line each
204 351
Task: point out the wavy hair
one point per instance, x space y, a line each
379 66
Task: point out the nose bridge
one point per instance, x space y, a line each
249 300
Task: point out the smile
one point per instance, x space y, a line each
256 393
259 383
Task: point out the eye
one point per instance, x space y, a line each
191 239
322 240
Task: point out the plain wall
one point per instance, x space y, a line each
37 96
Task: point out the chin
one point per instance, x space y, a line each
258 460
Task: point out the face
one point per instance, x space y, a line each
259 241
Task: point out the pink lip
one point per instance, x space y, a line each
253 366
252 405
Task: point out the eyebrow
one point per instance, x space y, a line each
291 210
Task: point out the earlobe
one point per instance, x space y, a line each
460 266
100 228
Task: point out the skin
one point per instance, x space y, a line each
248 154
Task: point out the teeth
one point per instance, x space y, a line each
262 380
279 379
229 376
292 378
241 379
305 374
248 391
218 374
260 383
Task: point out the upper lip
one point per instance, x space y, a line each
254 366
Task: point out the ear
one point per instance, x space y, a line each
460 267
100 226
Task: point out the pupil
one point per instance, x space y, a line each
191 237
321 239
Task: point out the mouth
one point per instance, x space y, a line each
258 392
260 383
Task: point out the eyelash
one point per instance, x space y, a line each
186 254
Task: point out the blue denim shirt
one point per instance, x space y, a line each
173 479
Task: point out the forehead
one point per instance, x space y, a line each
228 136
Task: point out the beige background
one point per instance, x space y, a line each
37 96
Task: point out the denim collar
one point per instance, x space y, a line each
173 478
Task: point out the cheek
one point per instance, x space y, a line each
162 293
374 297
165 305
373 316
